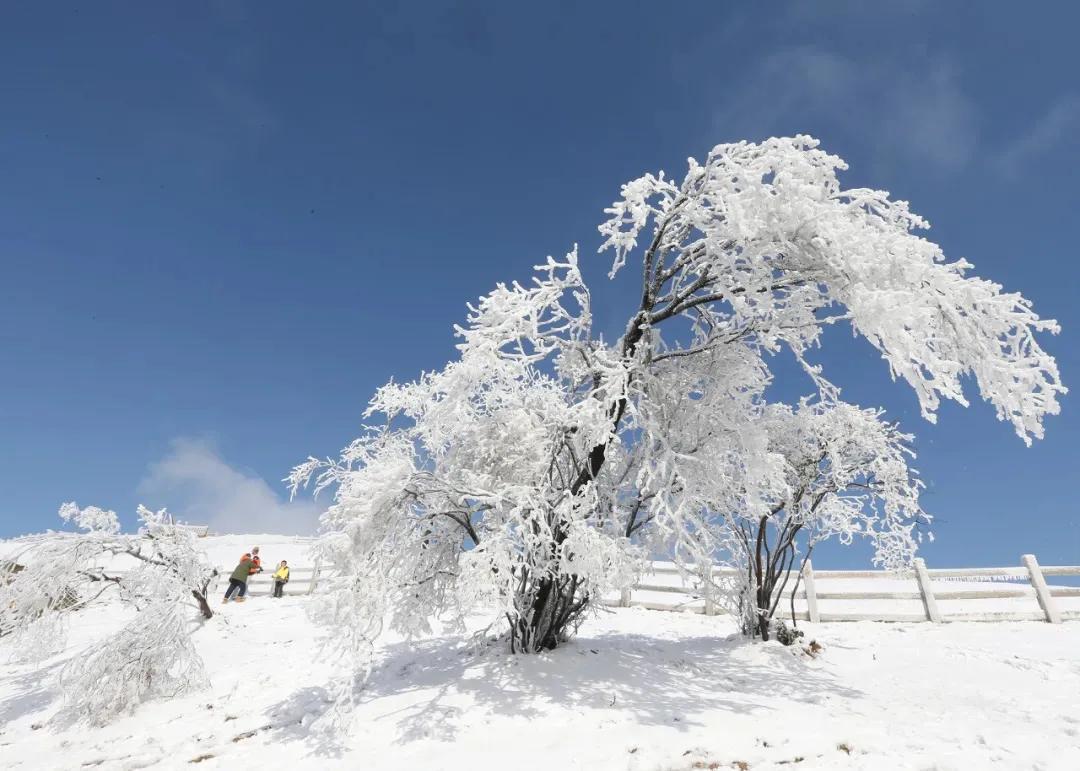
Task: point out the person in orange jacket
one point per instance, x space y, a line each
256 562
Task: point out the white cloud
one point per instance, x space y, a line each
913 109
1060 121
928 115
198 486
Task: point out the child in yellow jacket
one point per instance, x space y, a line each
281 577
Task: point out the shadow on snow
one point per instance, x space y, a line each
428 686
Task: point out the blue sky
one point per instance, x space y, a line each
223 225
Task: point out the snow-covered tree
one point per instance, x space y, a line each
158 573
540 468
832 470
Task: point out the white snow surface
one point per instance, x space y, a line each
636 689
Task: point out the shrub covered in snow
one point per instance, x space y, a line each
826 470
165 578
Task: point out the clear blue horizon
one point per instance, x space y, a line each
223 225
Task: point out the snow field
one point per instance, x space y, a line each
636 689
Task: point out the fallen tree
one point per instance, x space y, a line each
156 573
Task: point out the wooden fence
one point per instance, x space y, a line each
200 531
929 587
302 580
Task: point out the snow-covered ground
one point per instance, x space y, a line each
637 689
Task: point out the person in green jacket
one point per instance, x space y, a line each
238 580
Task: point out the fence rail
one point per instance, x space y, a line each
929 586
200 531
302 580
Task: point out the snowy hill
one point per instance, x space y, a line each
637 689
225 550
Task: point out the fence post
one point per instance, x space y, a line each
926 589
624 598
811 592
710 603
1046 601
314 575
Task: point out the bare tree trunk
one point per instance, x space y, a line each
556 605
543 622
204 606
200 596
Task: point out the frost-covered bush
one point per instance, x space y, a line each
151 657
831 470
540 468
164 581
